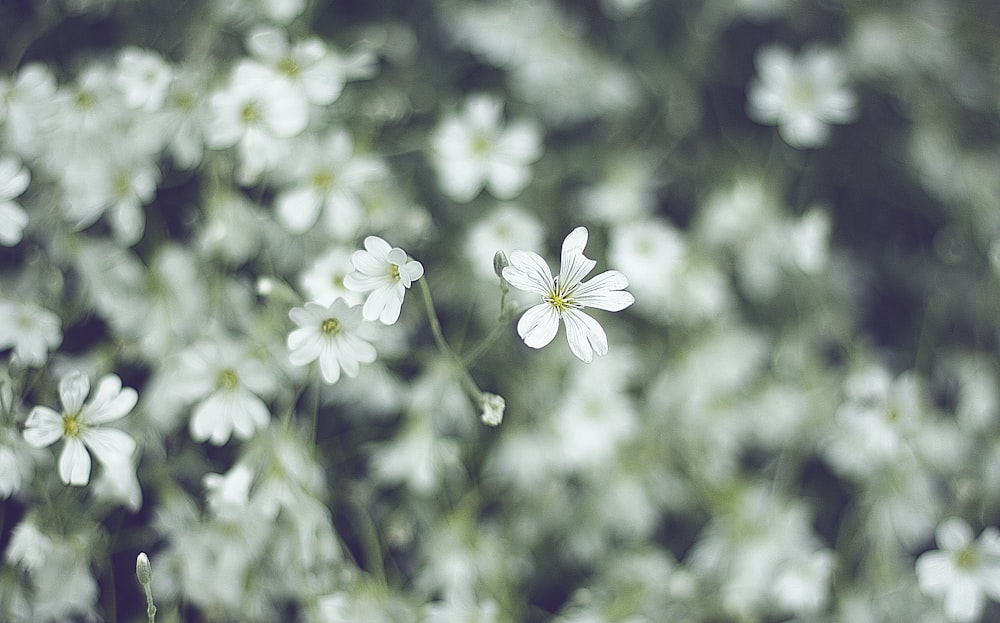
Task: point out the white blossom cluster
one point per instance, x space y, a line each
282 283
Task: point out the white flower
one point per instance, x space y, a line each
323 281
963 571
143 77
79 425
309 66
31 330
329 334
564 296
801 95
226 386
493 407
255 111
385 272
14 180
472 150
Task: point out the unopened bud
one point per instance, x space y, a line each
493 408
143 571
499 263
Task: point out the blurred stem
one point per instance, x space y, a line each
460 367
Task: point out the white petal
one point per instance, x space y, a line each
574 265
43 428
585 335
111 402
73 390
109 445
953 534
538 325
528 272
603 292
74 463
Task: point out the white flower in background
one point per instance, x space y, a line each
226 385
142 76
326 177
80 425
14 180
323 281
472 150
329 334
564 296
27 107
500 230
386 273
255 112
310 68
802 95
963 571
31 330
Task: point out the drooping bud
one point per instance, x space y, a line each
493 408
143 570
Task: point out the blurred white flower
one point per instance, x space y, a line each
226 385
143 77
27 107
310 67
80 425
963 571
500 230
323 281
31 330
14 180
472 150
385 273
326 177
801 95
255 111
330 334
565 295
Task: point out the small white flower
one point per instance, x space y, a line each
79 425
329 334
564 296
384 272
143 77
31 330
801 95
493 407
963 571
225 385
473 149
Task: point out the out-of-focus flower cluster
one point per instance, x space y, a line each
222 222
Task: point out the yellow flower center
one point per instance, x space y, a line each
72 425
322 180
250 113
393 272
557 300
289 66
966 558
227 380
330 326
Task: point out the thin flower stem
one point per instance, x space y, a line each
467 381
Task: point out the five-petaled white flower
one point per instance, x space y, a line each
79 425
385 272
964 571
564 296
330 334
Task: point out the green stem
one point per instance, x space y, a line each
460 367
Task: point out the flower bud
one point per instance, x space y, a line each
143 571
493 408
499 263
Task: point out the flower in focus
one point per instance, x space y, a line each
329 334
565 295
385 272
963 571
472 150
79 425
801 95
